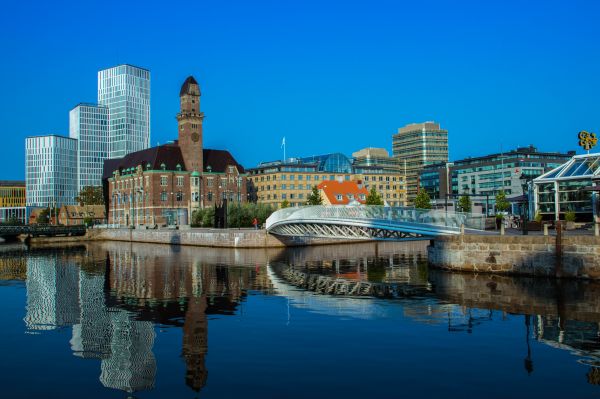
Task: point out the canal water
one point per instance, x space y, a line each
116 320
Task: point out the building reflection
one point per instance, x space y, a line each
114 295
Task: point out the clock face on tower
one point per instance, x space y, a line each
195 137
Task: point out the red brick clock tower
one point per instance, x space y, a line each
190 125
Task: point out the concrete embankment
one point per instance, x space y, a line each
553 256
217 238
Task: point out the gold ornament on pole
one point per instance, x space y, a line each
587 140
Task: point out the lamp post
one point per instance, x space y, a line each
525 186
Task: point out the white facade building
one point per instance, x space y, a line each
88 123
125 90
50 171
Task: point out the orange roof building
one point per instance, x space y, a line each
335 192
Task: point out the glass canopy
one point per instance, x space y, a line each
579 166
565 189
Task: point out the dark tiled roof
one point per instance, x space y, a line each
218 161
12 183
169 154
186 85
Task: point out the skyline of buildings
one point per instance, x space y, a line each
121 121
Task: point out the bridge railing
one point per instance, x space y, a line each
435 217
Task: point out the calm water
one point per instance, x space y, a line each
114 320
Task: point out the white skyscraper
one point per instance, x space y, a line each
125 90
50 170
88 123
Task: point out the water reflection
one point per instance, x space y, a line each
114 297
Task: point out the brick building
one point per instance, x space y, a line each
163 185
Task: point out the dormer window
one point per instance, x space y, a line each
163 166
178 167
148 166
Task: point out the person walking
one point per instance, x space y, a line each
255 223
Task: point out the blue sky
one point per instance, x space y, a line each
329 76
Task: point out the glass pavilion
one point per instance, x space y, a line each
573 186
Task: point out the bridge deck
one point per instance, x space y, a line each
369 222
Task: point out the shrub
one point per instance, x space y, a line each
570 216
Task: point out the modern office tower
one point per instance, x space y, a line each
374 157
416 146
125 90
88 123
50 171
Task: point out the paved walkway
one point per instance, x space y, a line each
551 232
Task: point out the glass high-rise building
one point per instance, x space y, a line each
50 171
125 90
418 145
88 123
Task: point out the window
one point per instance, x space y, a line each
292 177
179 196
300 177
209 182
180 181
339 197
163 181
283 186
163 196
210 196
283 196
231 169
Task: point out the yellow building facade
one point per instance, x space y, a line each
12 194
293 183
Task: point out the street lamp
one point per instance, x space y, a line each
525 186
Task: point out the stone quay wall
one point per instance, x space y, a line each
552 256
218 238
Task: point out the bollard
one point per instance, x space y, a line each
596 229
462 229
545 229
502 229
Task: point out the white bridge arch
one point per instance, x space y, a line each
369 222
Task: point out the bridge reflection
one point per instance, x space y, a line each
114 297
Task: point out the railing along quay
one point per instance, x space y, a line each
42 230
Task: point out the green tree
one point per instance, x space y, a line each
314 198
464 204
422 201
45 215
502 204
284 204
90 195
373 198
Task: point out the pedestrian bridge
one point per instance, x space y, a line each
369 222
